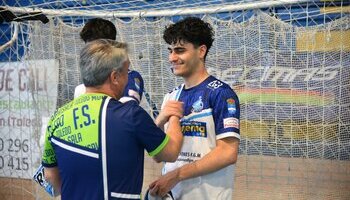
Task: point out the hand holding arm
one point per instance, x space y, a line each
171 108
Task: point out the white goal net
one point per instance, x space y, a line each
288 61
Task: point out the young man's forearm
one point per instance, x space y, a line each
223 155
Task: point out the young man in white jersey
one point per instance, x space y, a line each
205 167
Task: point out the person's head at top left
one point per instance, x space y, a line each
104 67
98 28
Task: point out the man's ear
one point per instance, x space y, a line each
202 50
114 76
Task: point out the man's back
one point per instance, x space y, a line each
98 144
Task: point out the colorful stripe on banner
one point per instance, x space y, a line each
288 130
288 96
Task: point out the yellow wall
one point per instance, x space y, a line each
288 130
312 41
327 10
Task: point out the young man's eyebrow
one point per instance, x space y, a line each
175 48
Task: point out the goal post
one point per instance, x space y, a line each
288 61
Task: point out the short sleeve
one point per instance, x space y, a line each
148 134
226 113
49 156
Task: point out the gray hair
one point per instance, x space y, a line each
99 58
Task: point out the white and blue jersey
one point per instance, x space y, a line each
211 112
98 145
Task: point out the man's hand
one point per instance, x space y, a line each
171 108
164 184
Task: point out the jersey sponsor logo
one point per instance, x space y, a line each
198 105
190 154
215 84
231 107
194 128
231 122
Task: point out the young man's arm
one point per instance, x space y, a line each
224 154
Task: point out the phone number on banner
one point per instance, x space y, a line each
14 156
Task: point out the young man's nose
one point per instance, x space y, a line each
173 57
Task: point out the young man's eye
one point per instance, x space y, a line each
179 50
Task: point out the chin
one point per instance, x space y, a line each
177 72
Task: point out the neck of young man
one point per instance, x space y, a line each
196 77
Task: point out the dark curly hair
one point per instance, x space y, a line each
192 30
98 28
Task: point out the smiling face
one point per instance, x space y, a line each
186 59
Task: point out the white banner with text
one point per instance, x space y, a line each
28 93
